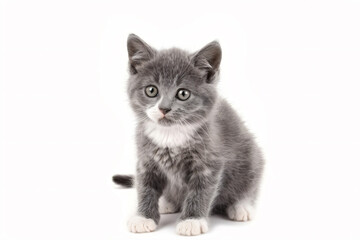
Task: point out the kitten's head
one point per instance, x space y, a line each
172 86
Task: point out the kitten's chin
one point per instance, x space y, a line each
162 121
165 122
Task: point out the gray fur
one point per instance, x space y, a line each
220 165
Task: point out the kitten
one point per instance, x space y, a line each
195 156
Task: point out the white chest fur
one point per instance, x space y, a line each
170 136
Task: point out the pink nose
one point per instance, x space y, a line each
164 110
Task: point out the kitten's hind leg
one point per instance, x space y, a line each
242 210
166 207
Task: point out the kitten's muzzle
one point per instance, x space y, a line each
164 110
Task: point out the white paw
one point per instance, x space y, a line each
165 206
192 227
138 224
240 212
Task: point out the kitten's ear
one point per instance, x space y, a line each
139 52
208 59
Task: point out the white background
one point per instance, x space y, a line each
290 68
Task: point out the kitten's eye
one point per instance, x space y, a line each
183 94
151 91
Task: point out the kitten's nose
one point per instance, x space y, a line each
164 110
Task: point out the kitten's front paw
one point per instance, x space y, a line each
192 227
139 224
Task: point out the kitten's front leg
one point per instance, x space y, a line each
150 185
196 208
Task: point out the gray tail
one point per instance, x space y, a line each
124 180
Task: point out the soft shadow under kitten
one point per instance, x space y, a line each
195 156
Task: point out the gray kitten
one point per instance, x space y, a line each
195 156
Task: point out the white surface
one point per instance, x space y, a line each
290 68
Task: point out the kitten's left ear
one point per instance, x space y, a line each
208 59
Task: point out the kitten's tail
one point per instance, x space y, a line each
124 180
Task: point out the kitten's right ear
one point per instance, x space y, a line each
139 52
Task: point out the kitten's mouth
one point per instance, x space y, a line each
165 121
